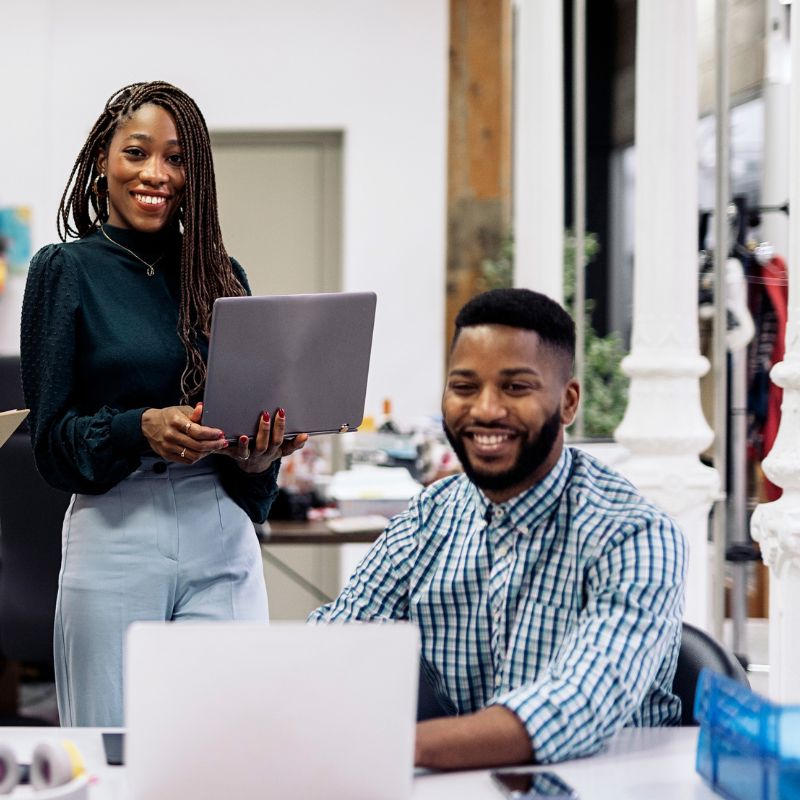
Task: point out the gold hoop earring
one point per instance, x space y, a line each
100 189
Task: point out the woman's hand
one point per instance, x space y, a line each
175 434
269 444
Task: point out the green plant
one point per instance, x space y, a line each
605 387
498 273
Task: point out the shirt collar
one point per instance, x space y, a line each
528 509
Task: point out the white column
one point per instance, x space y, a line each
775 185
664 427
539 148
776 526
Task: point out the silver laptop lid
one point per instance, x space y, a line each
306 353
244 710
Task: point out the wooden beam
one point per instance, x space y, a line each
479 144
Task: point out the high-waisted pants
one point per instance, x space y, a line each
167 543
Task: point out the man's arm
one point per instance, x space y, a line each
490 737
378 589
599 675
604 668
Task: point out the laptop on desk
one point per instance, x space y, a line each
242 710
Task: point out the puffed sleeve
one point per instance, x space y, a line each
254 493
81 453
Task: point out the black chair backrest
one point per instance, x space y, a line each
699 650
31 516
31 513
10 383
429 706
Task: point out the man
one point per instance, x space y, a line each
547 591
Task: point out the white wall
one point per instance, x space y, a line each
376 69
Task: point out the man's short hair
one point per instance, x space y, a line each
521 308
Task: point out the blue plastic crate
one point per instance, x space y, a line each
749 748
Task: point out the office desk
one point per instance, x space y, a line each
316 532
640 764
289 532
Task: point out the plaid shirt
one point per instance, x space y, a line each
562 604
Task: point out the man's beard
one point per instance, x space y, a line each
531 456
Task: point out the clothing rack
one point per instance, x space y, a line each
739 547
783 208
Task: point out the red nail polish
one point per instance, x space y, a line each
265 416
242 440
281 413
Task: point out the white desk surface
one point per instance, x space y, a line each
651 763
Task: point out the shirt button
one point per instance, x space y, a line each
502 551
159 467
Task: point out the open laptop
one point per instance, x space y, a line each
242 710
307 353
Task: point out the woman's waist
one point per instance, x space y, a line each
155 467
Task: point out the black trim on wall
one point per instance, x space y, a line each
601 35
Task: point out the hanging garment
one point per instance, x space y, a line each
775 277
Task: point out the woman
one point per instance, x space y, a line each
114 342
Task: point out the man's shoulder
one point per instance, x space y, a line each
597 491
449 497
446 489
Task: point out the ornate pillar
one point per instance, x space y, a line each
539 148
664 428
776 526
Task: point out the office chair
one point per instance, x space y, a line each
31 513
429 706
699 650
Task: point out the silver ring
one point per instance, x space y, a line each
244 458
188 425
183 453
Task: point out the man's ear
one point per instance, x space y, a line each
570 397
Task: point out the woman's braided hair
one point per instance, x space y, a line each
205 272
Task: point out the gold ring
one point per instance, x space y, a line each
188 425
183 453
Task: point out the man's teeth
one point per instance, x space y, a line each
486 439
150 199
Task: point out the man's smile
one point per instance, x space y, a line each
490 443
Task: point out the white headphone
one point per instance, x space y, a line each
56 771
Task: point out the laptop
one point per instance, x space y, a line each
247 710
306 353
9 422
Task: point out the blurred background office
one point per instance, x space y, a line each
429 149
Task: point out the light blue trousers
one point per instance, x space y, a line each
167 543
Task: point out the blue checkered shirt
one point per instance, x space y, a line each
562 604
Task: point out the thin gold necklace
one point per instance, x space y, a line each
150 267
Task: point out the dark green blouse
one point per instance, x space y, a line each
99 346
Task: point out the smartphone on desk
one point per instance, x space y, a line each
532 785
114 745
